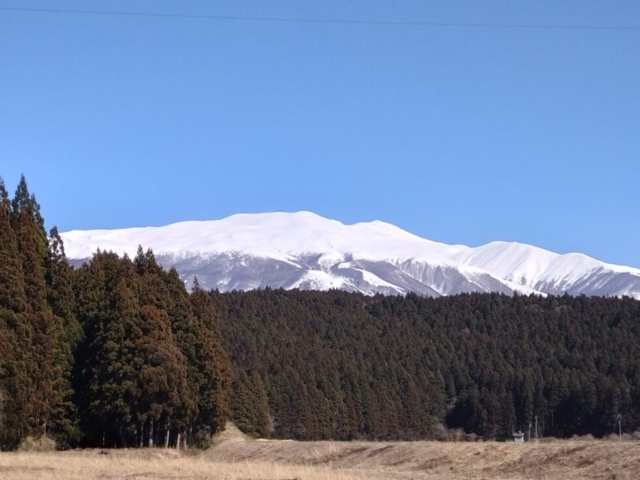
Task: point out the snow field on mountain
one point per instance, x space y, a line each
328 254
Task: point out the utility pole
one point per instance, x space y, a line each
619 418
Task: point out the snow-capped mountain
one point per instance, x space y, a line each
304 250
550 272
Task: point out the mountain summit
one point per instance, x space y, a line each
304 250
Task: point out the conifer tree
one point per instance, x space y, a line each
16 335
159 307
49 358
60 294
212 363
260 405
242 406
183 326
12 287
23 200
162 370
110 386
152 288
46 329
61 299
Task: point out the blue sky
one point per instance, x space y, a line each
458 134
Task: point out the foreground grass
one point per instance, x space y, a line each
237 458
155 464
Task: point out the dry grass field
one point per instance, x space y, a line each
236 458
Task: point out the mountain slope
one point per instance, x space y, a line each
304 250
550 272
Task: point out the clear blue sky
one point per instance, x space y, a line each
458 134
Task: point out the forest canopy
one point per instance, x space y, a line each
344 365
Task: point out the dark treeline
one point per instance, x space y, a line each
115 353
118 353
320 365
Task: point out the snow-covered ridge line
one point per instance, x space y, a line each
305 250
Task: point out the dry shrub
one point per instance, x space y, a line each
37 444
472 437
202 440
442 434
612 437
626 437
583 438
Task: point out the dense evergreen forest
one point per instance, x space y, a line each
117 353
317 365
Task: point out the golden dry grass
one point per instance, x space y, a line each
153 464
235 457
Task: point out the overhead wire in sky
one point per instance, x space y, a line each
310 20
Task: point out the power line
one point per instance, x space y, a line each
309 20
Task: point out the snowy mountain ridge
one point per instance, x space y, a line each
305 250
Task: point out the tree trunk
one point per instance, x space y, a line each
151 432
178 442
185 441
141 434
166 439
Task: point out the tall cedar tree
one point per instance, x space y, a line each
61 299
107 386
183 325
212 363
46 375
163 377
16 334
52 355
130 368
162 371
23 200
